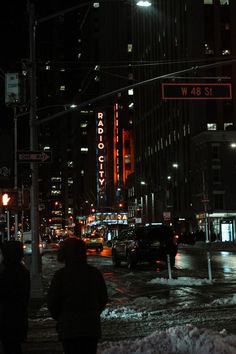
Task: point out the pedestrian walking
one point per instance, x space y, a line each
14 298
76 297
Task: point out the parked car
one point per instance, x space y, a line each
94 241
144 244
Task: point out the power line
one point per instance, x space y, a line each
138 84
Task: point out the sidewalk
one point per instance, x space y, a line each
42 336
212 246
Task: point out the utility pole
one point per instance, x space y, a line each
15 167
205 202
36 278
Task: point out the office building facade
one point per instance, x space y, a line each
184 152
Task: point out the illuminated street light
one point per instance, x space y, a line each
145 3
175 165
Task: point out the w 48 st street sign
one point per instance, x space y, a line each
34 156
196 91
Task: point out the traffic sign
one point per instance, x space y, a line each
196 91
34 156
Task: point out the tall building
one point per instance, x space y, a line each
81 54
184 154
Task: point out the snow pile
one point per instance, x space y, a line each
184 339
181 281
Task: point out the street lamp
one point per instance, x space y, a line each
36 284
142 3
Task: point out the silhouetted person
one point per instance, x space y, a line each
14 298
76 298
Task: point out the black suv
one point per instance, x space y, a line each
144 244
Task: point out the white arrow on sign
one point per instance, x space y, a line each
34 156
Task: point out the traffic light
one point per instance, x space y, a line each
9 200
5 199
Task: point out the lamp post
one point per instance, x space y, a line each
36 283
15 167
36 286
5 201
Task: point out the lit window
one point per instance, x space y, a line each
226 52
83 125
70 164
70 181
224 2
208 2
46 148
130 47
56 179
211 126
130 92
84 149
82 172
226 125
62 88
56 192
131 105
47 67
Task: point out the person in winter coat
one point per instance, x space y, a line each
14 298
76 297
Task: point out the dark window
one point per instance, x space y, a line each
218 201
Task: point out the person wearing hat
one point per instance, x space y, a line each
76 297
14 298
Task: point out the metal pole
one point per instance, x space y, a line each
209 266
8 225
205 202
169 266
36 280
15 167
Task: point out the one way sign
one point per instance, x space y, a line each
34 156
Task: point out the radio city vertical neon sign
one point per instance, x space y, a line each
101 152
116 151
